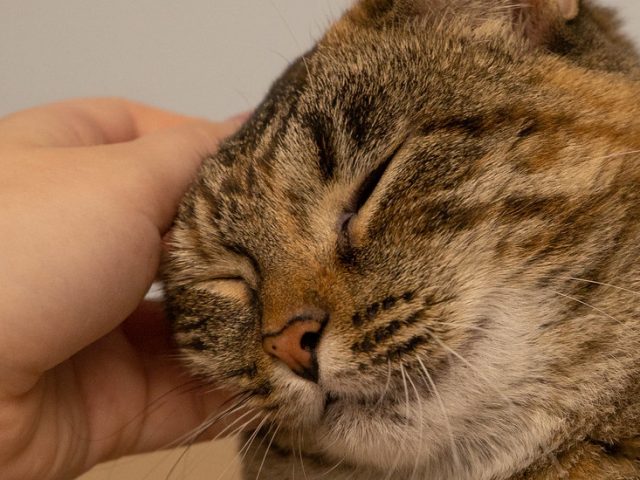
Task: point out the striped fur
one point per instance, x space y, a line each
458 185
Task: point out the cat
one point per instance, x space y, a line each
419 258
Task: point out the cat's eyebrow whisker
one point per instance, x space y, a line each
432 385
469 365
295 39
266 452
286 24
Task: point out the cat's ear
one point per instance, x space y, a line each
535 18
551 9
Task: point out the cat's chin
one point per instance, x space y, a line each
358 432
349 434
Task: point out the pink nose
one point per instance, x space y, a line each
295 345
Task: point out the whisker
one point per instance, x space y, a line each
304 473
293 463
286 24
602 284
193 438
393 467
153 406
617 154
590 306
421 436
454 448
207 423
386 386
256 432
192 434
264 457
238 429
177 462
486 331
331 469
406 390
469 365
247 443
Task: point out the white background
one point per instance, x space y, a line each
202 57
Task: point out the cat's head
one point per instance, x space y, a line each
381 258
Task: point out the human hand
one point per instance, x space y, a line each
87 190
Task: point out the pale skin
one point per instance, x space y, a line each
88 189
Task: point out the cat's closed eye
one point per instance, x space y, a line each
353 221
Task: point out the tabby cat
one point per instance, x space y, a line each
419 258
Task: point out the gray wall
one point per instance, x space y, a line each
203 57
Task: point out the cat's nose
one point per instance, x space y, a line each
295 343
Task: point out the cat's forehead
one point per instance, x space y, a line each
355 93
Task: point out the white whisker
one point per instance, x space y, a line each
603 284
421 435
331 469
454 448
588 305
228 427
247 443
470 366
386 385
304 473
212 419
264 457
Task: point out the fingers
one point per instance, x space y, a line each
166 163
82 240
151 174
154 153
83 226
84 122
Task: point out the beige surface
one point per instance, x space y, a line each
208 461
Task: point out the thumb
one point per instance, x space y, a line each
160 166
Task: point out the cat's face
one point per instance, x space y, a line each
393 219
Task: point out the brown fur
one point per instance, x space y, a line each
483 320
